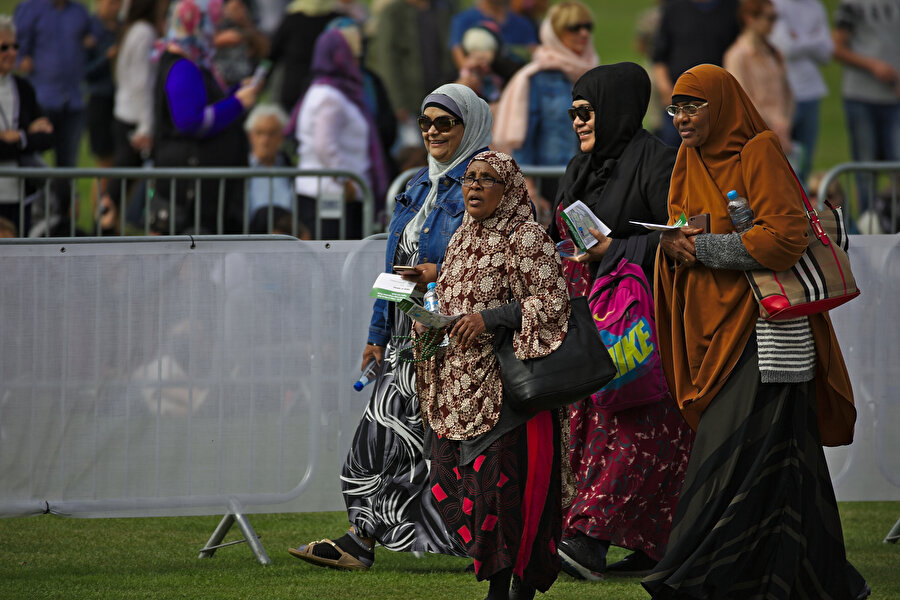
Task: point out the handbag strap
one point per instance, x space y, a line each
812 214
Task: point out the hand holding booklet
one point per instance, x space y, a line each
579 218
394 288
418 313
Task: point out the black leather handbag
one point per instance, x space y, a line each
578 368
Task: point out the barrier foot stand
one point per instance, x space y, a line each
894 534
215 541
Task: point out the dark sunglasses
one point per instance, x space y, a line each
583 112
579 26
5 47
442 124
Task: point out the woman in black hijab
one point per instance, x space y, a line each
628 465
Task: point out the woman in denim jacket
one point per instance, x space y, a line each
385 478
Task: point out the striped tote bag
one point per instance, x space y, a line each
821 279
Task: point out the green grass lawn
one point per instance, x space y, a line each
49 557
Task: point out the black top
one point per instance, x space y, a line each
29 110
693 33
625 176
293 45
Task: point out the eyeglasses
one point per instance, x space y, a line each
5 47
583 112
442 124
485 182
579 26
688 109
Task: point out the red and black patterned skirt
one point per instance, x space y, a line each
505 505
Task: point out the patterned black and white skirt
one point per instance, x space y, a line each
385 479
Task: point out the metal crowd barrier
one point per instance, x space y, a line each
869 191
326 208
162 376
166 376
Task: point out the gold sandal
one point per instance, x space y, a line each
344 562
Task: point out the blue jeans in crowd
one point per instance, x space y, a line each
805 131
874 136
68 126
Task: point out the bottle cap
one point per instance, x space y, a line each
732 194
358 386
431 285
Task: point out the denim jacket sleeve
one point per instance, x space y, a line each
405 206
527 154
379 328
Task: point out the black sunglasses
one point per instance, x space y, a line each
442 124
579 26
5 47
583 112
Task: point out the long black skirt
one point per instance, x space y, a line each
757 516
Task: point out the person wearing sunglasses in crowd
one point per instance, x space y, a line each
629 464
757 516
531 121
23 127
496 473
385 477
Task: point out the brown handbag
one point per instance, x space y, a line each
819 281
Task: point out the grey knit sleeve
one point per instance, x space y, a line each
505 315
724 251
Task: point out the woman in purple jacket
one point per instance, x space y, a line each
198 122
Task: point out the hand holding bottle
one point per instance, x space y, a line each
372 351
369 372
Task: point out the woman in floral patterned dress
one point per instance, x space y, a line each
495 474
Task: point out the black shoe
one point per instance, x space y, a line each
636 564
861 595
583 557
519 590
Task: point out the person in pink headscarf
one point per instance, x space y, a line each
530 118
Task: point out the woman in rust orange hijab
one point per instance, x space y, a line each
757 516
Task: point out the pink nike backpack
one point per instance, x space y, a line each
622 305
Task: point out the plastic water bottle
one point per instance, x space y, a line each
740 212
367 376
432 302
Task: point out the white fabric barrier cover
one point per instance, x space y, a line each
150 378
868 329
144 378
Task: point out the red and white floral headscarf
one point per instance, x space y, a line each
506 254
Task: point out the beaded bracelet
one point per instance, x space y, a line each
425 344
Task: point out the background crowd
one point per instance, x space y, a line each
95 68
